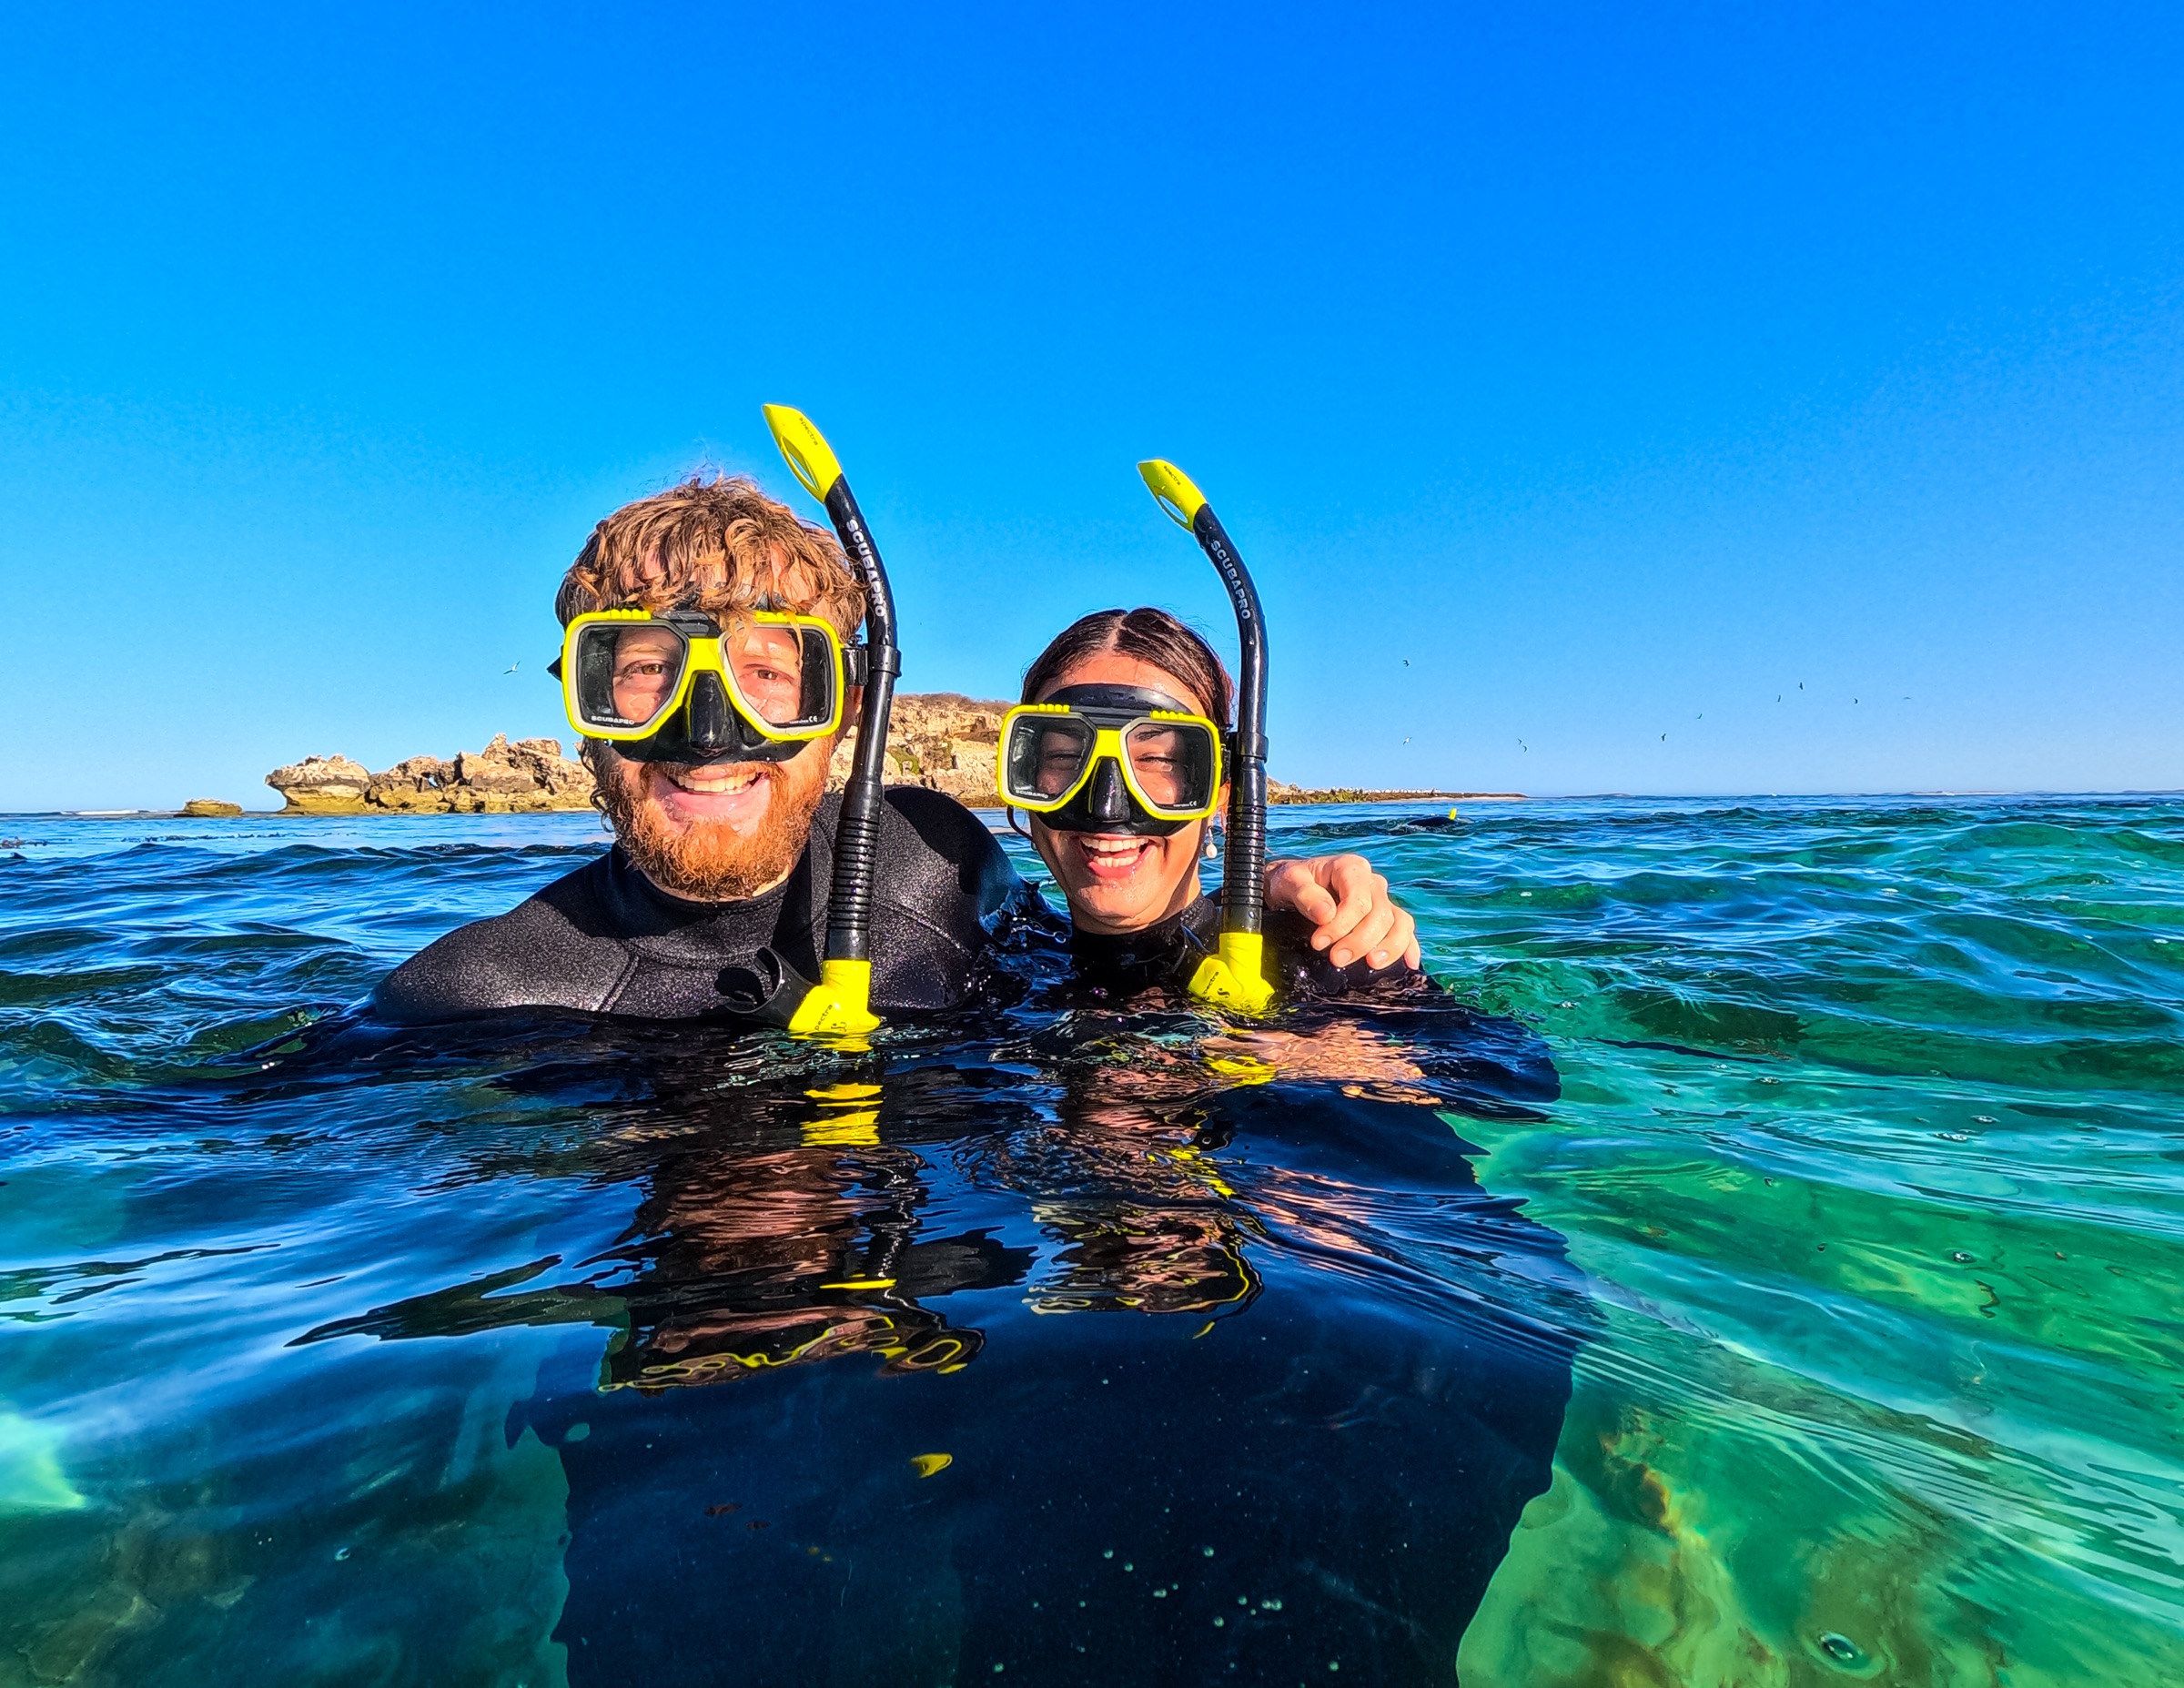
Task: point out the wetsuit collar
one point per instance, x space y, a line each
1163 953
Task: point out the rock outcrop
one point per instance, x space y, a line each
528 775
940 740
937 738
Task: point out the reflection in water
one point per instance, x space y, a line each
916 1462
1319 1464
742 1262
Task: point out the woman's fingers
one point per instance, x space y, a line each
1371 929
1401 940
1293 884
1353 918
1363 893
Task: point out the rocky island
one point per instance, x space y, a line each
941 740
937 738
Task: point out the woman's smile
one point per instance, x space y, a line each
1111 859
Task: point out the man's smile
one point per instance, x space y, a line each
736 792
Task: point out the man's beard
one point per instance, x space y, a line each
707 861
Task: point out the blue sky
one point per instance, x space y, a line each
1624 369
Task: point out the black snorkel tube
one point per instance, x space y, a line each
840 1005
1234 976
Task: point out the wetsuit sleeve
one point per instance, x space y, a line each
551 951
944 884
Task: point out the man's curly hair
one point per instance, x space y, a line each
713 546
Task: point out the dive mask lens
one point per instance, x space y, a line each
786 673
1175 767
623 677
1045 757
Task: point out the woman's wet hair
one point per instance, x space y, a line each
1152 636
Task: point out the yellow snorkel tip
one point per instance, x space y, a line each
1232 976
810 457
840 1005
1177 495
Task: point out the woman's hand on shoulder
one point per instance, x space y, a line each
1348 906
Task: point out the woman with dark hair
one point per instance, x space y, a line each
1124 826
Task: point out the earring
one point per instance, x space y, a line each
1213 848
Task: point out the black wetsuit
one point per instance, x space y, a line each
605 940
1166 955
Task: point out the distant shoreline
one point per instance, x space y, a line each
229 811
207 809
1285 796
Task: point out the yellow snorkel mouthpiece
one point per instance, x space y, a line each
1232 976
840 1005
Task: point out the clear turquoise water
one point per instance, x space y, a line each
1858 1215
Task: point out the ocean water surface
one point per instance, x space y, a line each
1825 1329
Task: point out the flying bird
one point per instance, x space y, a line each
513 666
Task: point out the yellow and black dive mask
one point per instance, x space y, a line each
1110 759
681 687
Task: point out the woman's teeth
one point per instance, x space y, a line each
1113 858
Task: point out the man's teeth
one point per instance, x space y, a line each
715 782
1114 847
